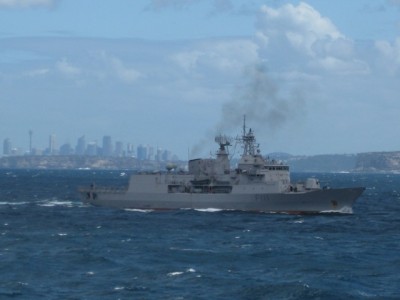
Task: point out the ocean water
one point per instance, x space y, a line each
54 247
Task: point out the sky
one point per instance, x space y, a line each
312 77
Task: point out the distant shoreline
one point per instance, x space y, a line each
370 162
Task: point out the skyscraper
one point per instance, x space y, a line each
119 149
80 146
7 148
130 150
92 149
141 152
107 146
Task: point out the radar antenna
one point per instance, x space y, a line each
248 140
223 141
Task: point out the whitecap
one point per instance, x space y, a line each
12 203
299 222
177 273
365 294
118 288
53 202
62 234
139 210
174 274
192 249
208 209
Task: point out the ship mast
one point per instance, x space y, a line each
248 140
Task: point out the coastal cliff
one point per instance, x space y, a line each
378 162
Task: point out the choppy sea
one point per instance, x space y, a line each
54 247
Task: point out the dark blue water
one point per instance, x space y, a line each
53 247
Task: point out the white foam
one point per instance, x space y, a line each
12 203
192 249
346 210
177 273
139 210
174 274
55 202
299 222
209 209
365 294
343 210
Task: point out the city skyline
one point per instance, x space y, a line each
106 148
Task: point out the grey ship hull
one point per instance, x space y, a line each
315 201
256 184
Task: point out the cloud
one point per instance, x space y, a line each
222 55
394 2
26 3
218 6
37 72
164 4
115 67
389 57
335 65
304 39
389 50
128 75
223 5
99 67
66 68
300 26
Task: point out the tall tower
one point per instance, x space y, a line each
52 144
30 141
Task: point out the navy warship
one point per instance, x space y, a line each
256 184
